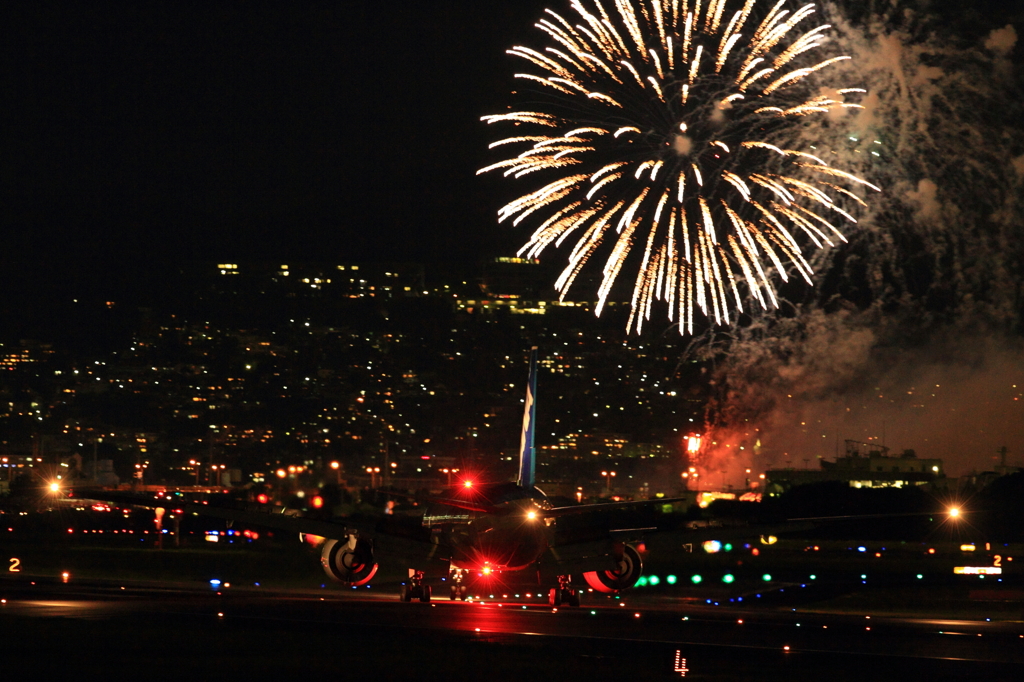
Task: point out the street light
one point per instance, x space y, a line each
337 472
373 471
608 478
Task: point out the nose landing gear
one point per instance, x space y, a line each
459 590
414 587
564 594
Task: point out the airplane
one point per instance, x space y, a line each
491 531
479 530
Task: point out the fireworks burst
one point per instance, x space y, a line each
667 133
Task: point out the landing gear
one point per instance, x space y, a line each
564 594
458 589
414 588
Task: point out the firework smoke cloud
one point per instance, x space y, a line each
912 338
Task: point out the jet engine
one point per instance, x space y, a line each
626 573
349 561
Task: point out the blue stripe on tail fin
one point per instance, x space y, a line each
527 461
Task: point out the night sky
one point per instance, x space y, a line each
137 136
152 133
336 131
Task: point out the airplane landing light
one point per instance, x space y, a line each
954 512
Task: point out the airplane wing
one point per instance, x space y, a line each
395 537
587 508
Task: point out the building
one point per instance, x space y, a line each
865 465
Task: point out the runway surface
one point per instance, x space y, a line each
169 631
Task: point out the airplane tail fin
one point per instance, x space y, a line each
527 462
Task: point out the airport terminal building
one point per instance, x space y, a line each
865 465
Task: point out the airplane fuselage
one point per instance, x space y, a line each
512 537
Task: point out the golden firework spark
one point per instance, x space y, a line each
664 131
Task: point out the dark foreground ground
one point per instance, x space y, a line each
882 611
90 629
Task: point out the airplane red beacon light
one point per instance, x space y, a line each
318 502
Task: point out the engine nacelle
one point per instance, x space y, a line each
349 561
627 571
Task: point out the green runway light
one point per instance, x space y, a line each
728 578
642 581
728 547
814 577
654 580
919 576
696 579
766 577
671 580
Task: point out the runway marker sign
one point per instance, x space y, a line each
680 665
977 570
